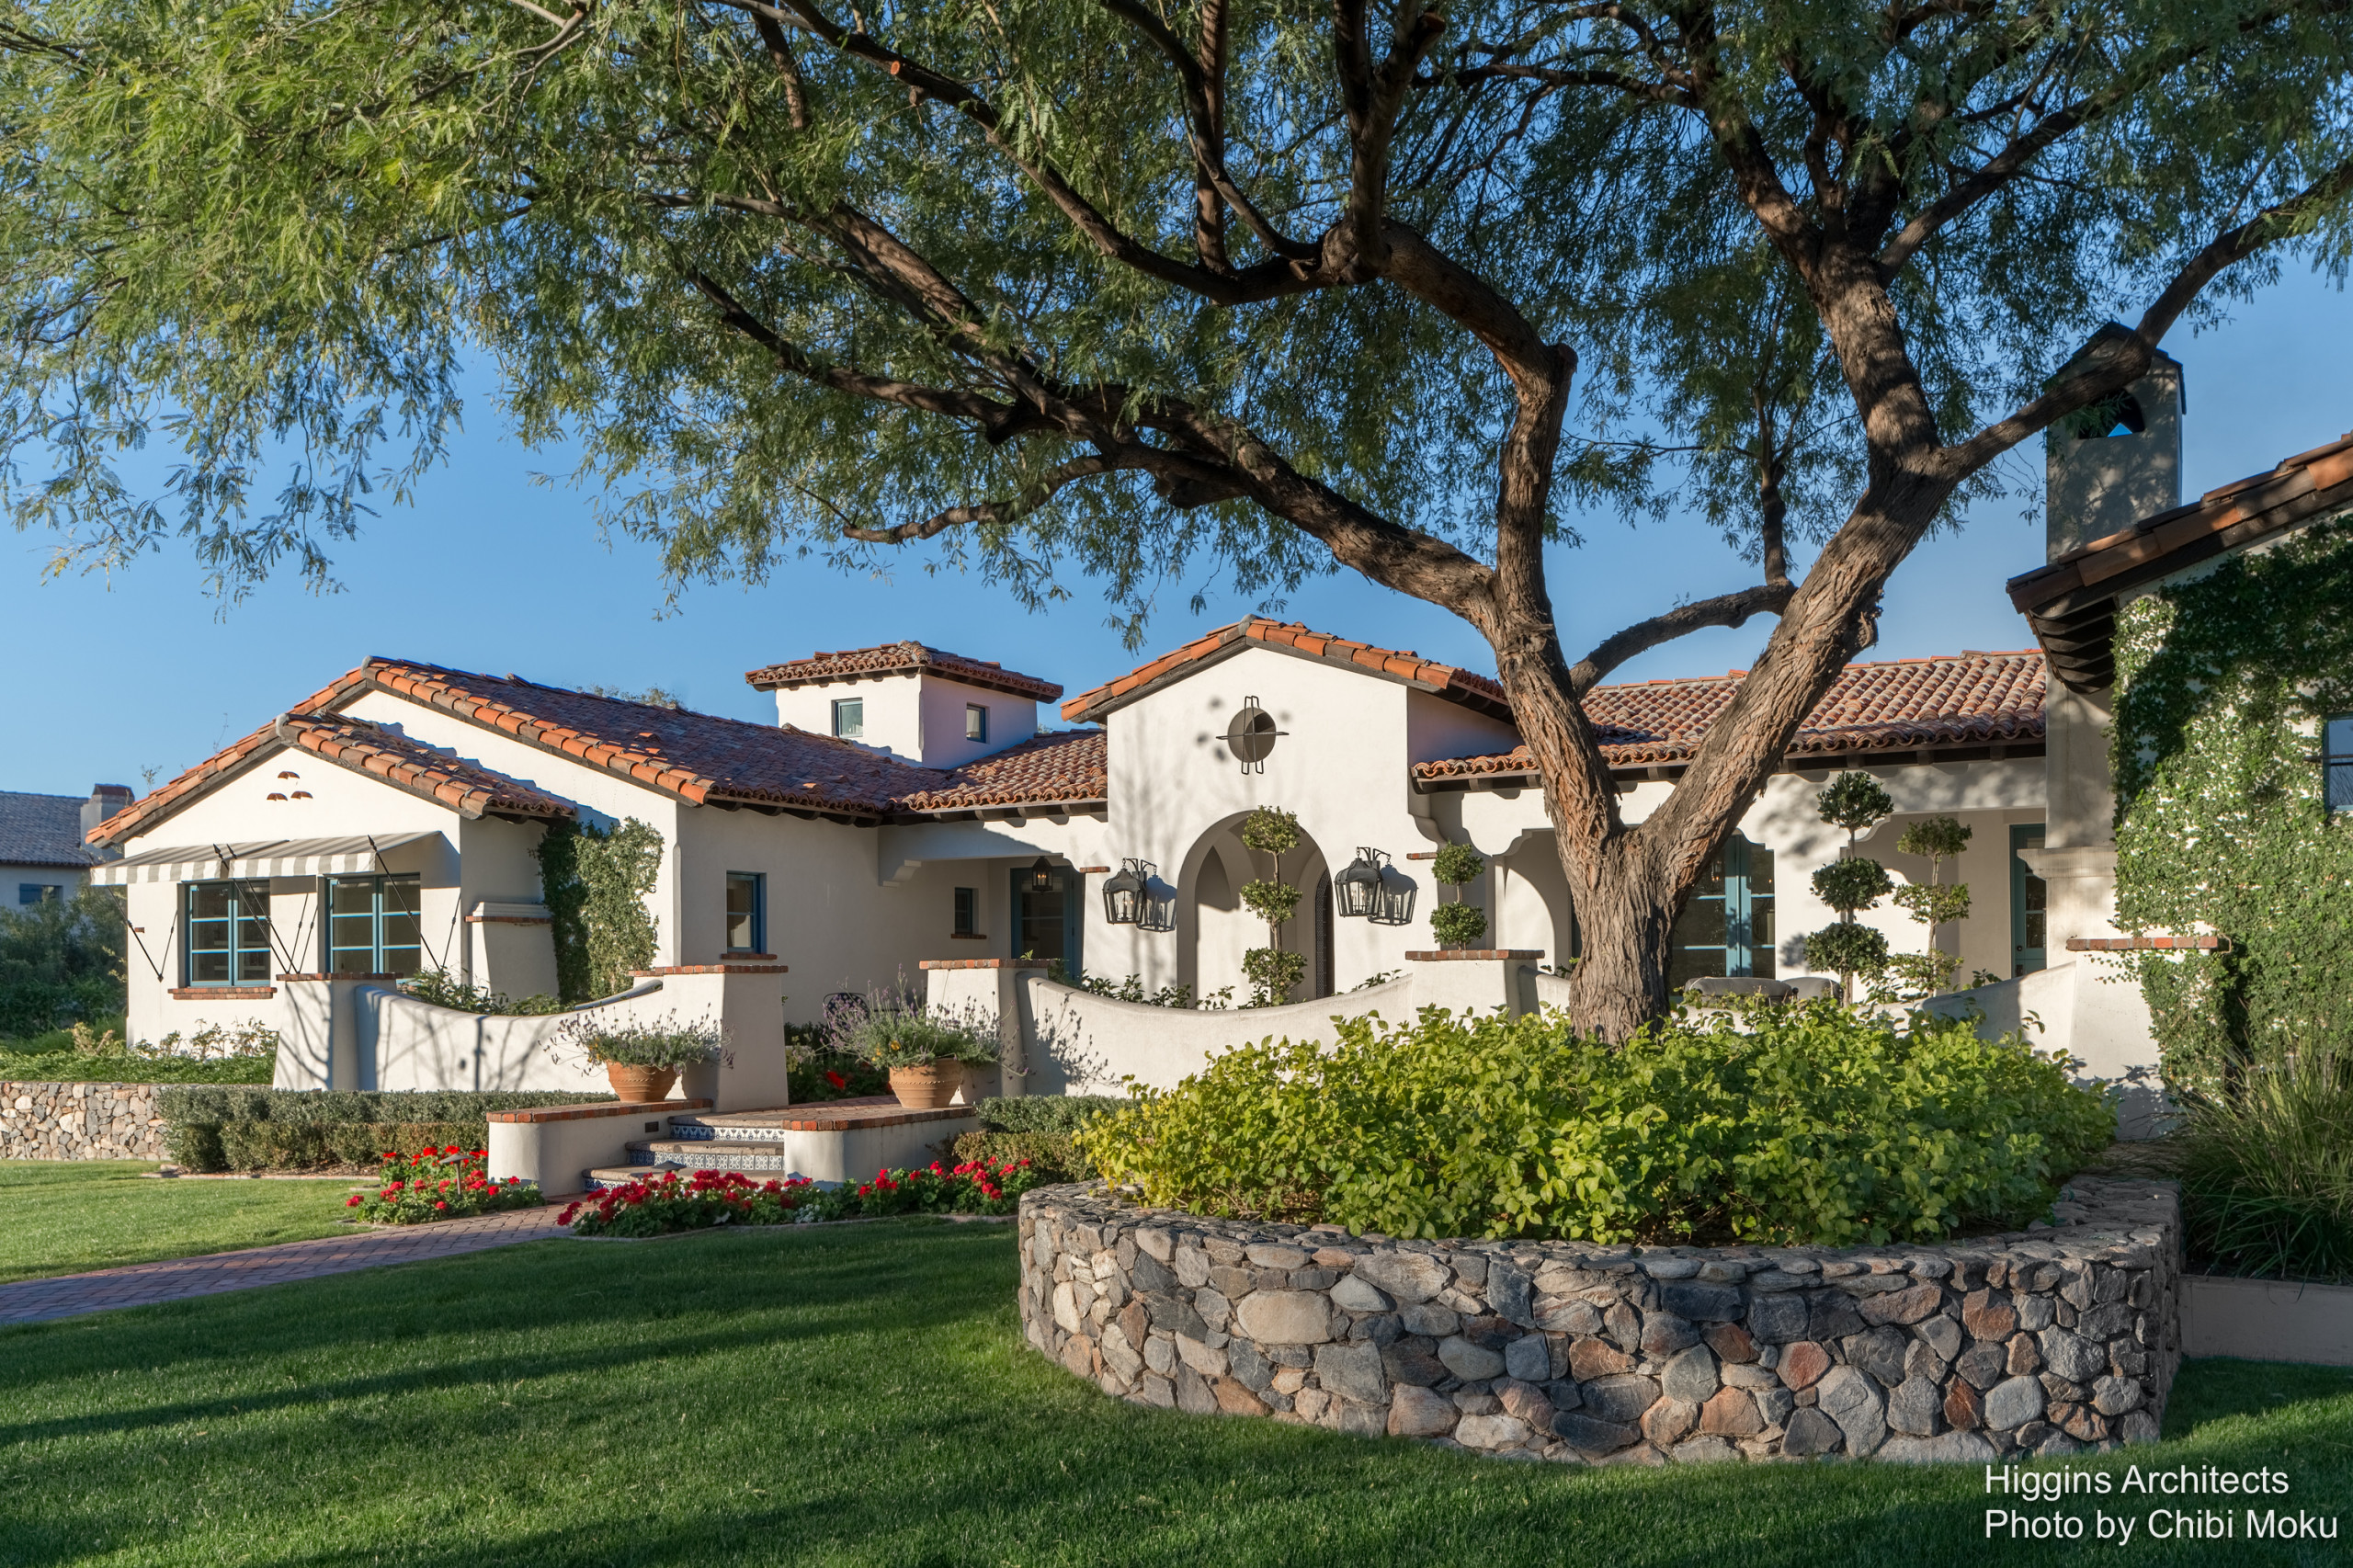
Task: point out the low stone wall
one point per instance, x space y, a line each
2044 1342
79 1121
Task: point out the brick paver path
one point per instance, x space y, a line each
178 1279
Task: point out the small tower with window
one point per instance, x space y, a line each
918 704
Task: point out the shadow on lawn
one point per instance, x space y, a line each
883 1363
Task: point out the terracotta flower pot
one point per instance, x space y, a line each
641 1084
929 1088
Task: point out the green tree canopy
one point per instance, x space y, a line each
1138 288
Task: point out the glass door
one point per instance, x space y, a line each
1047 903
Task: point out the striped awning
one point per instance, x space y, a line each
263 858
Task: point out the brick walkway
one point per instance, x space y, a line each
177 1280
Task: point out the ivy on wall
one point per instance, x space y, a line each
594 884
2222 684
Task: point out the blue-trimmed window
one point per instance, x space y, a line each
2337 763
227 933
849 718
968 912
1727 927
373 926
747 911
37 892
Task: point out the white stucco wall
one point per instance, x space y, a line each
917 717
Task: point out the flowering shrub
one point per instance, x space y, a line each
440 1184
656 1204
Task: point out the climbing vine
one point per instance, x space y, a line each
594 884
2222 685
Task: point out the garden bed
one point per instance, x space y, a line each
2031 1343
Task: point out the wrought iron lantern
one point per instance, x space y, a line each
1041 876
1370 889
1136 897
1123 893
1358 889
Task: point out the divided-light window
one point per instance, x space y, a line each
227 927
849 718
968 912
746 911
373 926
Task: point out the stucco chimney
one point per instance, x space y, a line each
2107 468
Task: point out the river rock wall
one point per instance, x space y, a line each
2045 1342
79 1121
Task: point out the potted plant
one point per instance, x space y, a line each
642 1056
925 1049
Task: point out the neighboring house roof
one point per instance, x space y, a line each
41 830
466 788
1474 691
2071 603
1069 767
1968 701
901 659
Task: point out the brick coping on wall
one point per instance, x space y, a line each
372 979
2041 1341
710 968
223 993
1444 955
979 963
534 1115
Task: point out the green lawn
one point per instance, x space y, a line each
62 1217
859 1395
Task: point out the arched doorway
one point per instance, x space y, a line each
1215 929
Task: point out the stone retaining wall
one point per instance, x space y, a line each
2043 1342
79 1121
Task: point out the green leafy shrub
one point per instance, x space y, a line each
304 1146
445 990
2268 1173
1458 925
1046 1113
61 961
594 883
1806 1124
665 1041
1055 1155
897 1031
73 1067
210 1127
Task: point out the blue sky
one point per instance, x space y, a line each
489 571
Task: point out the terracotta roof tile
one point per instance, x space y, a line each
1471 689
1972 699
901 659
466 788
1069 765
2070 603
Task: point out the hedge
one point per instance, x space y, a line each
1053 1154
1045 1113
218 1128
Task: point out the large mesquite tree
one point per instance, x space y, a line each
1144 285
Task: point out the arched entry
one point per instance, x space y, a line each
1214 929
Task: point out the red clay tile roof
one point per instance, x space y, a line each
693 756
1071 765
1476 691
2072 602
466 788
1906 704
901 659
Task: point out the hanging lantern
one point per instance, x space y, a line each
1041 876
1357 890
1123 895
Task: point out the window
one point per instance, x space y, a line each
976 721
2029 903
37 892
228 933
2337 762
1047 905
849 718
1726 928
968 912
747 913
373 926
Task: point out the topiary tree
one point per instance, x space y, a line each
1271 970
1855 801
1932 904
1457 924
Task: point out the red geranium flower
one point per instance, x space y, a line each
440 1206
352 1201
836 1079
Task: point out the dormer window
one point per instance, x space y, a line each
849 718
976 721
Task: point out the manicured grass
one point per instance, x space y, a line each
63 1217
859 1395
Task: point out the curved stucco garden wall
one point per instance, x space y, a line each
2042 1342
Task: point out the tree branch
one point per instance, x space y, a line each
1725 610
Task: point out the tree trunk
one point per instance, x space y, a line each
1625 917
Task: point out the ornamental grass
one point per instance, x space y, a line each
440 1184
2267 1172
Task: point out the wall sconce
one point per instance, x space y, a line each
1136 897
1370 889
